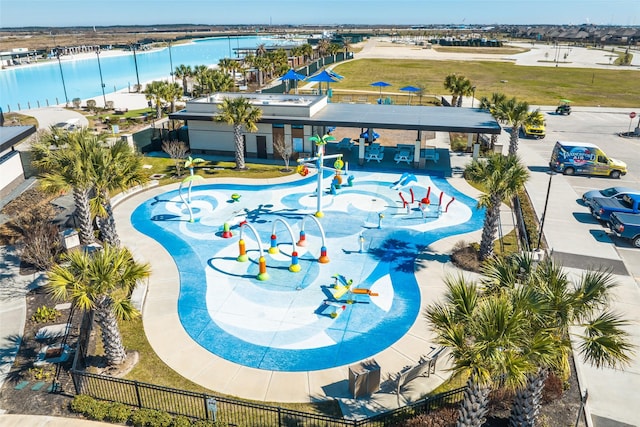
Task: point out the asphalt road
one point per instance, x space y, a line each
599 126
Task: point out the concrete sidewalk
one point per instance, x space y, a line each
17 420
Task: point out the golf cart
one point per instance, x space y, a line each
564 107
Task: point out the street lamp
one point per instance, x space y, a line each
544 211
171 63
135 61
64 87
104 98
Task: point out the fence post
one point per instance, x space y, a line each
279 417
206 408
135 384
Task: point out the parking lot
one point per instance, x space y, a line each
601 127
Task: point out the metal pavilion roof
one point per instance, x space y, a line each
404 117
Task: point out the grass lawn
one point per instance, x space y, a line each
214 169
151 369
536 85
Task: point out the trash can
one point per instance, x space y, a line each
364 378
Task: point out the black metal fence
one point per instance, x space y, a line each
234 412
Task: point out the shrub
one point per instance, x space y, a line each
181 421
45 373
45 314
91 104
441 417
89 407
117 412
76 103
553 388
205 423
150 418
465 256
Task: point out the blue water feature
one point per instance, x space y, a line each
300 321
26 85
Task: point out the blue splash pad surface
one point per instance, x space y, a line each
285 323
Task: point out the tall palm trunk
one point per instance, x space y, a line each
237 135
513 140
490 228
111 338
184 86
528 400
108 224
83 212
474 406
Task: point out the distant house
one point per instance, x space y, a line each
11 170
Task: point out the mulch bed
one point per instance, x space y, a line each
34 398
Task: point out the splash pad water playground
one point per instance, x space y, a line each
260 312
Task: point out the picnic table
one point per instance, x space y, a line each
374 152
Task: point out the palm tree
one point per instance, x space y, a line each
183 72
261 50
458 86
101 281
154 92
224 64
171 93
489 104
501 177
577 309
238 112
307 51
486 334
516 114
69 168
346 43
115 168
323 48
333 50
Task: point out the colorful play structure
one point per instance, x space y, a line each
343 293
187 202
404 180
274 249
427 209
317 162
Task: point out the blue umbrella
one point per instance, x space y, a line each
292 75
380 85
411 90
323 77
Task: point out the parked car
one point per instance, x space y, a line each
533 131
602 208
607 193
626 226
584 158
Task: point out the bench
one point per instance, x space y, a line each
430 153
403 156
345 143
425 367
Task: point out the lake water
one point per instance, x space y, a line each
23 87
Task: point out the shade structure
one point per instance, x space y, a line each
411 90
334 74
291 75
323 77
380 85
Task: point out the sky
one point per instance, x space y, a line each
60 13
